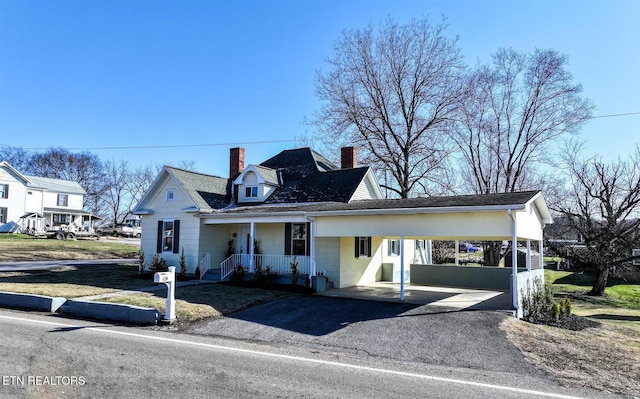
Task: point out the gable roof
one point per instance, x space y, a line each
310 177
57 185
5 165
206 191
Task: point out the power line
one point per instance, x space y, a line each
614 115
230 143
161 146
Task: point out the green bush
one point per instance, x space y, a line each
237 274
158 264
295 273
538 304
183 264
141 262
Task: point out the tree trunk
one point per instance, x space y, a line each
601 282
491 252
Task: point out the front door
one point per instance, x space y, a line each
242 243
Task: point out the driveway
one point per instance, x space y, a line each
400 331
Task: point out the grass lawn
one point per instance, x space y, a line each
620 304
21 247
73 282
203 301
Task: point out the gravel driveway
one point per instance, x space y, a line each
399 331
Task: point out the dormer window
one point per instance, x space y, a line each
251 192
170 195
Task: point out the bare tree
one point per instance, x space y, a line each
126 187
515 112
388 92
58 163
603 206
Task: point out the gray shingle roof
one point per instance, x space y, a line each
476 200
207 191
57 185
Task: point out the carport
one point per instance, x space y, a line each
512 217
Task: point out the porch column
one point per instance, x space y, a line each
429 246
540 254
402 268
312 247
252 233
514 264
528 255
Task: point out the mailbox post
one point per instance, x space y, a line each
168 279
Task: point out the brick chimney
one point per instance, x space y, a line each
348 158
236 162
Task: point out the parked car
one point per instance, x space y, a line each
120 229
466 247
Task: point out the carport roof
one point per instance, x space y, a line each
444 204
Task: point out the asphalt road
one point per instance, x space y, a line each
52 357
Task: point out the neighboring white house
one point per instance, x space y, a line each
31 203
299 207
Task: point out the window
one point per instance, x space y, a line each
363 247
60 218
3 215
299 239
170 195
634 252
393 248
296 241
63 200
168 235
251 192
4 191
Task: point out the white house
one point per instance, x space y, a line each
298 206
31 203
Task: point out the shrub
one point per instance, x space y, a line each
555 311
183 264
565 306
237 274
263 276
158 264
295 273
141 262
537 300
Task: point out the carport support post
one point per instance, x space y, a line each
402 268
514 265
528 255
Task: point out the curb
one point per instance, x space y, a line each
34 302
111 312
114 312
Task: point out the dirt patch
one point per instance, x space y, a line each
605 358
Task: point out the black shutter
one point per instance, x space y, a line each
356 244
159 239
287 238
176 236
369 247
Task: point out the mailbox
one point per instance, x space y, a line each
168 279
162 277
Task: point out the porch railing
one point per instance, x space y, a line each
278 263
204 265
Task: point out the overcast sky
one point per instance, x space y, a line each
145 76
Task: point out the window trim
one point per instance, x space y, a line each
170 195
4 193
175 237
63 200
393 247
4 215
362 247
251 192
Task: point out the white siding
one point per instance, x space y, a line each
364 191
189 238
15 203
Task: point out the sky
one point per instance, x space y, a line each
165 82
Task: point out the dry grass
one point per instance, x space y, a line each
73 282
19 248
202 301
604 358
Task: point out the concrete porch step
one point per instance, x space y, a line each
212 275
